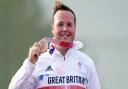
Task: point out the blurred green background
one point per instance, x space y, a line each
102 25
22 22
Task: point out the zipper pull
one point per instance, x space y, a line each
64 58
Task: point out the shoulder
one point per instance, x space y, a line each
83 56
79 54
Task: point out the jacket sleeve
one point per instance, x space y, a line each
93 82
23 78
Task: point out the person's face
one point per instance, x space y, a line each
63 26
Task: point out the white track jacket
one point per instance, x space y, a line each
75 70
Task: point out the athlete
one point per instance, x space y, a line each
61 65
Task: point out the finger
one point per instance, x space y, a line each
37 49
34 52
36 46
43 45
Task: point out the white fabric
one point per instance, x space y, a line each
75 69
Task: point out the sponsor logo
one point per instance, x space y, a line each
49 68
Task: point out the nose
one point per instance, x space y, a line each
65 28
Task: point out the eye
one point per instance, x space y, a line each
69 24
60 24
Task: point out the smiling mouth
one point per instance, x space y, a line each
65 34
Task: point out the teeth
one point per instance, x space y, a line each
65 34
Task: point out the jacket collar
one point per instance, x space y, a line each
76 45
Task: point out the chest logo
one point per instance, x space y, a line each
49 68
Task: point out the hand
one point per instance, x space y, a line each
37 49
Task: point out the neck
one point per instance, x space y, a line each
62 50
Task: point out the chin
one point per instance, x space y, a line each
67 40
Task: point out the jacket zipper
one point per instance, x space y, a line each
65 74
64 58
